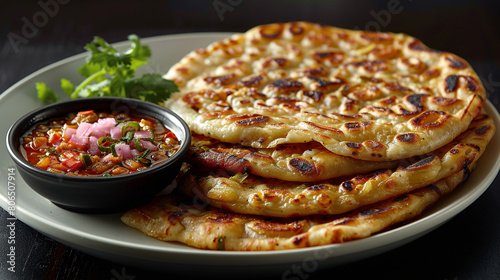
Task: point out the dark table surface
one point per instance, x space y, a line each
466 247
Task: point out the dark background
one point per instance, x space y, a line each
34 34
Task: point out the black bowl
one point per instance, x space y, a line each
99 194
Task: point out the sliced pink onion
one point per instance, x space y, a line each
98 131
116 132
135 152
142 134
148 145
68 132
79 140
123 150
106 124
107 158
93 146
84 129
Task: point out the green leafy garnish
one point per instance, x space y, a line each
45 94
108 72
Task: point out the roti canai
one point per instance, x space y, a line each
368 95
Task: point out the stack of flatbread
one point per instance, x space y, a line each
306 135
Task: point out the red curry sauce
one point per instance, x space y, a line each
98 144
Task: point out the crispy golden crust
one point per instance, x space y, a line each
302 162
368 95
182 219
278 198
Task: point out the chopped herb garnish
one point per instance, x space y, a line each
108 72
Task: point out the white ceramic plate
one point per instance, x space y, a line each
107 237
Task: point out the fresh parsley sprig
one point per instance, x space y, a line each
108 72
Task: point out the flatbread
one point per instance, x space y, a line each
248 194
182 219
302 162
368 95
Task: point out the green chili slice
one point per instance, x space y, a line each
145 153
86 160
220 243
138 145
129 136
131 126
113 150
103 139
152 138
144 161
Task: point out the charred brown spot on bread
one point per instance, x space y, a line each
414 64
379 37
430 119
353 126
333 57
371 65
221 217
443 101
349 104
317 187
416 100
286 85
324 128
398 89
219 158
299 239
278 61
482 130
327 85
374 211
363 178
277 227
386 52
466 174
435 189
302 166
271 31
192 99
296 29
431 74
172 218
220 80
401 198
352 145
451 83
423 162
315 95
318 71
248 120
373 145
272 195
417 45
455 62
343 221
408 138
251 81
347 185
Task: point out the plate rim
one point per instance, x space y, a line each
58 231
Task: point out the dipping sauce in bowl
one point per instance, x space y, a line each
99 155
89 143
